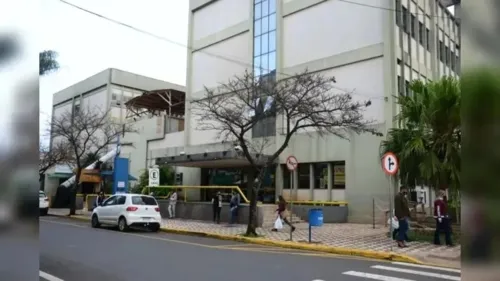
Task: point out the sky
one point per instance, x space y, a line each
88 44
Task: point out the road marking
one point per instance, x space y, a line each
428 267
49 277
416 272
374 276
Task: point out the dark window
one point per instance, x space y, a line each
421 33
428 39
339 175
286 177
452 57
304 174
110 201
407 88
400 85
413 26
441 51
398 13
457 64
446 55
121 200
405 19
76 110
143 200
321 175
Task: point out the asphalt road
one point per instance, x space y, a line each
72 251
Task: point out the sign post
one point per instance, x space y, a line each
291 163
154 178
390 165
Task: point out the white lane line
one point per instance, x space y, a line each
416 272
428 267
49 277
374 276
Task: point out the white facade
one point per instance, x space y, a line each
109 90
361 45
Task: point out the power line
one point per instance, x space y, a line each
226 58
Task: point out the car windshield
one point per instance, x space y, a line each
143 200
42 194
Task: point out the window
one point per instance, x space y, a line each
121 200
286 177
76 110
110 201
264 50
304 174
114 97
339 175
428 39
421 33
400 85
452 58
321 175
441 51
413 26
405 19
407 88
446 55
143 200
398 13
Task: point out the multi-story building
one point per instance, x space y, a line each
108 91
372 47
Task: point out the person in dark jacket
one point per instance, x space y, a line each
281 213
402 213
442 219
100 199
217 206
234 206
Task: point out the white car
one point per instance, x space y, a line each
43 204
128 210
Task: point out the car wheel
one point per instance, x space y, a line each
95 221
154 228
122 224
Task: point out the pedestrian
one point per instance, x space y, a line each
171 204
442 219
402 212
234 205
281 213
100 199
421 198
217 206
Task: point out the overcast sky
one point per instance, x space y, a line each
88 44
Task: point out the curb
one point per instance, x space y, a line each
389 256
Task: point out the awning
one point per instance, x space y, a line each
109 174
60 175
218 159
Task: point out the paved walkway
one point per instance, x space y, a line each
346 235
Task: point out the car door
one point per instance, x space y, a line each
116 209
106 209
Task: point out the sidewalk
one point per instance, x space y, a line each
347 236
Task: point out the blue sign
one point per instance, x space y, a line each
315 217
120 175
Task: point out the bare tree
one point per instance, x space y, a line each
307 102
59 152
86 131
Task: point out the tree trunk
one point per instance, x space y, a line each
73 192
252 212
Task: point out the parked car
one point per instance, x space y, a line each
128 211
43 203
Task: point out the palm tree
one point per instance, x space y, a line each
48 62
427 140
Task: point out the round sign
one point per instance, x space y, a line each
153 174
390 163
292 163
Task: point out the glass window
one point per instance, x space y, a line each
321 175
265 8
286 177
421 33
304 173
257 11
110 201
272 6
256 46
272 41
405 20
272 22
265 43
257 28
265 25
264 63
339 175
121 200
428 39
413 25
272 61
143 200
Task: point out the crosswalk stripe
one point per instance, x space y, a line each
374 276
416 272
428 267
49 277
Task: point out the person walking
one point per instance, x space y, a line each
442 219
281 213
234 205
402 212
217 206
100 199
171 204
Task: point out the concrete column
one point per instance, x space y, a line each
330 181
311 181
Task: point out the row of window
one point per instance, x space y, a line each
320 175
264 51
448 57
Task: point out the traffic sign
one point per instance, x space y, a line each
292 163
390 164
154 177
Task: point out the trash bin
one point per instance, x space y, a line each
316 217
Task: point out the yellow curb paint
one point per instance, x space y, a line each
388 256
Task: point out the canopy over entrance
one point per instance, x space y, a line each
165 101
218 159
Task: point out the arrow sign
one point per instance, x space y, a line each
390 164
